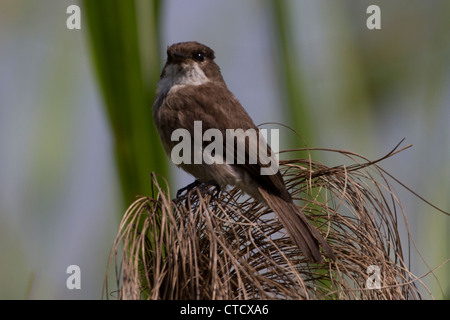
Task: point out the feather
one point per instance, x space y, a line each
298 227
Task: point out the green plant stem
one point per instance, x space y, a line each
113 28
291 80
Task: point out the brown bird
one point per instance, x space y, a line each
191 88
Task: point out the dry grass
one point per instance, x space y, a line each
231 247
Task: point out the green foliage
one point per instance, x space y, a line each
294 97
128 81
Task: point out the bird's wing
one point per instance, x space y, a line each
217 108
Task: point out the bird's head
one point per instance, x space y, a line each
190 63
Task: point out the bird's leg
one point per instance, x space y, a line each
205 187
188 188
202 186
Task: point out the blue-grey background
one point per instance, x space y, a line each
59 192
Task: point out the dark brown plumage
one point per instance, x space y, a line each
191 89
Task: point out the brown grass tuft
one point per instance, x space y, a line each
232 247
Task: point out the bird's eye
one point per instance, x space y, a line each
199 56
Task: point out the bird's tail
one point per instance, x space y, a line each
298 227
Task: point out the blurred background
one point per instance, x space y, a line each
77 142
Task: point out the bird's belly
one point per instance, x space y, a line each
223 174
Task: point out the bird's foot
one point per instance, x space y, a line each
203 187
206 188
188 188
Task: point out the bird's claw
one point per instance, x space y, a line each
204 188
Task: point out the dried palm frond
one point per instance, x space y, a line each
232 247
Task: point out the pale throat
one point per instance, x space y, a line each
176 77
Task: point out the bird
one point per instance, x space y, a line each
191 90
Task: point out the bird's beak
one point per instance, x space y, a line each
177 56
